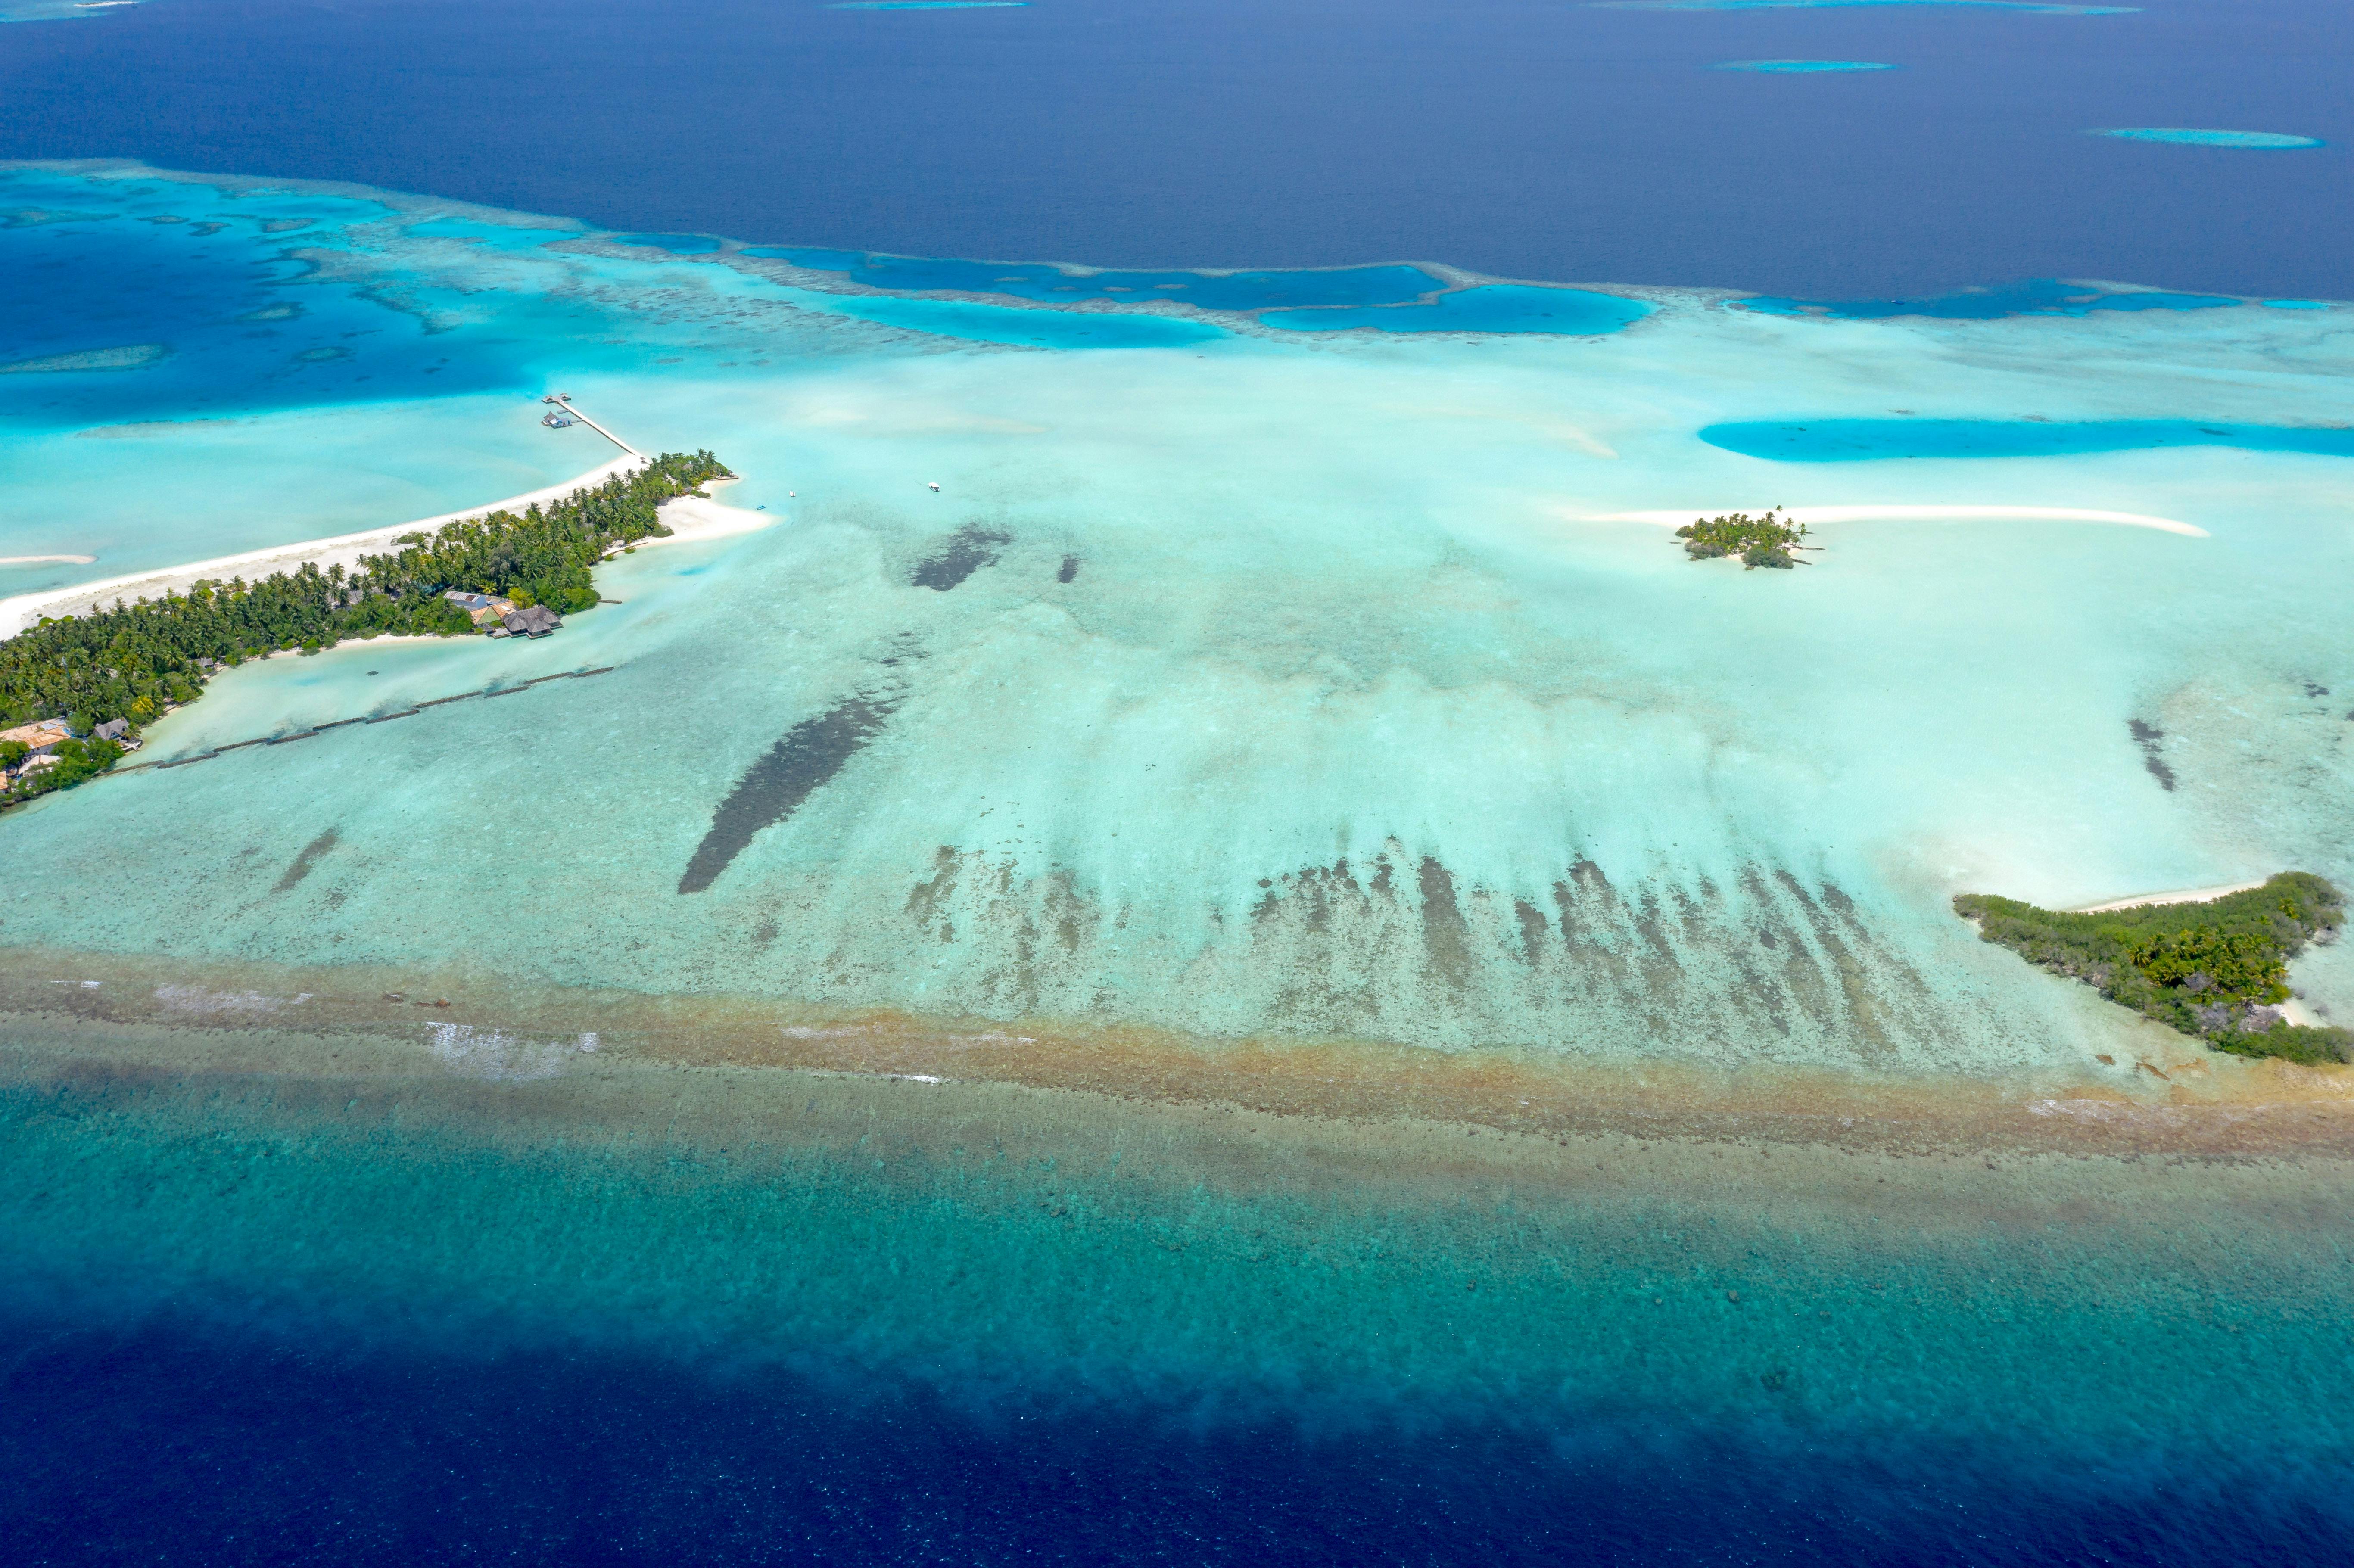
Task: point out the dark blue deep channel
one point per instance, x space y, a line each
1561 142
170 1441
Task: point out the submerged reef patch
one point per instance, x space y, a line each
963 552
131 356
2151 740
773 788
1047 284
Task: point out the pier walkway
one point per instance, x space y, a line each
565 402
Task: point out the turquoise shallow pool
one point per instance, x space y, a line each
1857 440
1490 308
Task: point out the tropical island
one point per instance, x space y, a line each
2217 969
74 691
1764 541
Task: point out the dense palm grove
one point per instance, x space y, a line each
2217 969
1764 541
133 661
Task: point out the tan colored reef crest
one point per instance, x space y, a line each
75 1014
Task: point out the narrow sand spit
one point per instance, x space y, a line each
690 518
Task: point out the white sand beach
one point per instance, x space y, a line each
2177 895
690 518
24 610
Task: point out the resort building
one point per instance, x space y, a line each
482 607
40 742
39 739
539 620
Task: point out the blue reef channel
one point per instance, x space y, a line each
676 244
2037 297
1233 292
2246 141
1857 440
1014 326
167 298
1796 68
1490 308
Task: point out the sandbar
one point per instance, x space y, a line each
1811 514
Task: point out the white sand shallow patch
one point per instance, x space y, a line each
345 549
45 560
1813 514
2179 896
692 517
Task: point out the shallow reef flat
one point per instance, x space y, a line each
1264 684
1291 686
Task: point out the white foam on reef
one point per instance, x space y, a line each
1356 718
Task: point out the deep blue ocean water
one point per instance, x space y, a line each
1560 142
261 1322
163 1443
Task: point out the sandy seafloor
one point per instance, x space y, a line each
1318 972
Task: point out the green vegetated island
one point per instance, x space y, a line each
96 679
2216 970
1765 541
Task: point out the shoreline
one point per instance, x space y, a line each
21 612
2174 895
690 519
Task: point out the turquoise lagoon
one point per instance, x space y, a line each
1244 707
2246 141
1860 441
1489 308
1802 68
